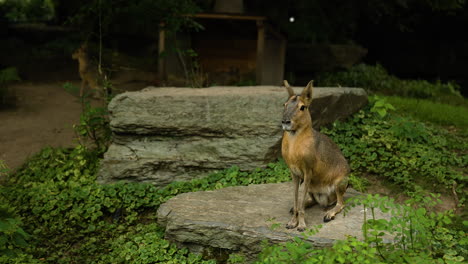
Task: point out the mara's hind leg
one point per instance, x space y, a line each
97 91
82 88
339 192
309 203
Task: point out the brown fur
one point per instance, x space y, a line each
88 73
313 159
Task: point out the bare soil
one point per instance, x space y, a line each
43 116
379 186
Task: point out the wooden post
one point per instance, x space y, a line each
282 60
161 48
260 51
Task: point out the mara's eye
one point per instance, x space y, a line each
303 107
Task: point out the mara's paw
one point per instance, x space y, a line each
291 224
328 218
301 228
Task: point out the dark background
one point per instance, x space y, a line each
417 39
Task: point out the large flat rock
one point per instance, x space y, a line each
167 134
161 162
238 219
222 111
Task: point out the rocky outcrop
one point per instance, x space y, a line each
171 134
238 219
306 58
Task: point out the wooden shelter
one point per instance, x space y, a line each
232 49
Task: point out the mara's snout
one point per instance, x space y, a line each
286 125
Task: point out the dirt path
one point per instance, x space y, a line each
44 116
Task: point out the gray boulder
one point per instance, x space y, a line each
167 134
238 219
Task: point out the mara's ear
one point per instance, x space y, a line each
290 90
306 94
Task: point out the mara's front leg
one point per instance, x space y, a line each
82 88
293 222
302 205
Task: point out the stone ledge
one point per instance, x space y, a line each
221 111
167 134
238 219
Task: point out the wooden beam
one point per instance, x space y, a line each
161 55
227 16
282 59
260 51
274 32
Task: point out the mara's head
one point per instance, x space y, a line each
80 52
296 113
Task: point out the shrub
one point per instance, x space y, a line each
401 150
32 10
73 219
94 126
12 236
371 78
418 236
7 96
94 121
376 79
146 244
3 170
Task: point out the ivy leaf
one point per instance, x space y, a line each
346 248
382 112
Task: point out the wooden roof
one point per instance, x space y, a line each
228 16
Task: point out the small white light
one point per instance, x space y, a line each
291 19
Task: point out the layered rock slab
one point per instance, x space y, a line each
171 134
238 219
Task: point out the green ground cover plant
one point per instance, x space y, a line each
411 154
419 236
72 219
57 213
